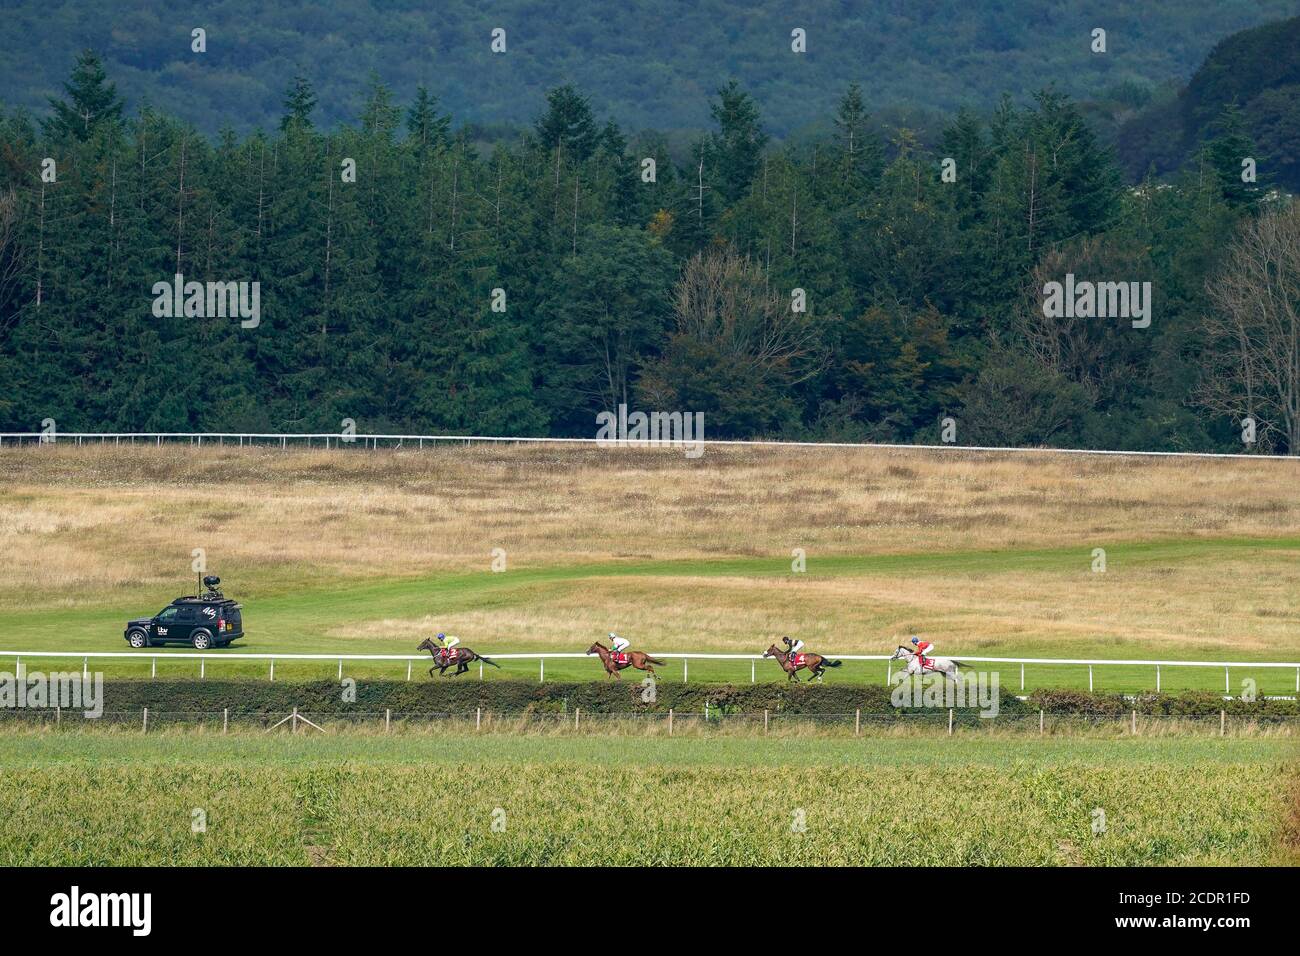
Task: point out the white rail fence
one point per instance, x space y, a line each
542 658
335 440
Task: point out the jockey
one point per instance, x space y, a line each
620 644
922 648
792 647
450 642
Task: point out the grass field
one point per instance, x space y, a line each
366 552
93 797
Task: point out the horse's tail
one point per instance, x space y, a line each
488 660
958 664
653 661
831 663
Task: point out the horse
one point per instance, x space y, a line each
815 663
462 657
638 659
934 665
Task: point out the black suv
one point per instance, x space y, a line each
204 620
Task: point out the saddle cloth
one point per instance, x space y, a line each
799 660
450 653
620 657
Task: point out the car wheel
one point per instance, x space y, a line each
138 639
201 640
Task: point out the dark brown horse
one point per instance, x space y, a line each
638 659
443 658
815 663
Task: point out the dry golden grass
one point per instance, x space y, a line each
79 524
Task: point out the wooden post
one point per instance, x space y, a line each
541 670
857 723
58 714
153 670
670 721
144 728
1089 678
408 670
272 668
388 716
340 668
1040 722
1133 726
295 720
751 670
1022 676
577 714
1227 683
1223 719
686 664
949 721
764 720
225 719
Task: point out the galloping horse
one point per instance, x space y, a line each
933 665
638 659
462 657
790 663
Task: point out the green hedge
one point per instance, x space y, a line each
601 697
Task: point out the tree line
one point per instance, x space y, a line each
849 288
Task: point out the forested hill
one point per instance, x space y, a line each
646 63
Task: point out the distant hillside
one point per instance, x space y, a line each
1254 73
648 63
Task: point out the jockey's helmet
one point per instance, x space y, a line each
916 640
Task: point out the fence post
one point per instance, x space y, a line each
1040 721
1022 676
388 716
272 668
478 718
1089 678
670 721
295 720
340 668
751 670
686 664
857 723
1133 725
408 670
1222 722
203 663
1227 682
1157 678
541 670
577 715
144 728
225 719
85 669
58 714
764 720
949 721
889 673
153 670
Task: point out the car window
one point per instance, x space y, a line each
186 616
168 614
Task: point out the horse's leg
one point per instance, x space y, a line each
431 671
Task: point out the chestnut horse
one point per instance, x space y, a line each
464 657
815 663
638 659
